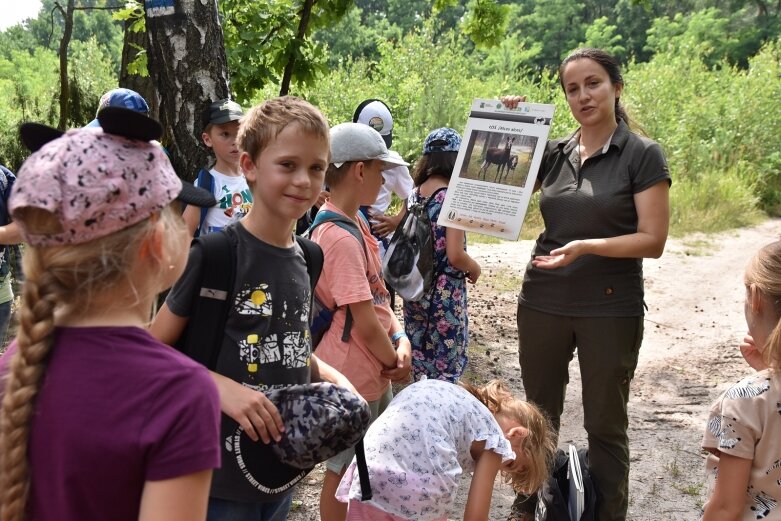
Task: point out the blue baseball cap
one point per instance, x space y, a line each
442 140
122 98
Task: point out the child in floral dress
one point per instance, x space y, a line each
437 325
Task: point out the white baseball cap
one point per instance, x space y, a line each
359 142
376 114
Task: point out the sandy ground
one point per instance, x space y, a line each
689 354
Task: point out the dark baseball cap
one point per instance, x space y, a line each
221 111
321 420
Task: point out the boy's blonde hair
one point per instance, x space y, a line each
540 443
66 280
764 271
264 122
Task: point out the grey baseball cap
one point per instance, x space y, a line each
358 142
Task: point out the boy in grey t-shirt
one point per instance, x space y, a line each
285 149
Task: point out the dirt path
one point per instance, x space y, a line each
689 354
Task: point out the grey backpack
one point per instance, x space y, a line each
408 265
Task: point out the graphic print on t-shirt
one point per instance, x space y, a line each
294 348
234 199
235 205
254 301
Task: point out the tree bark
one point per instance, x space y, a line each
143 85
64 42
303 23
187 63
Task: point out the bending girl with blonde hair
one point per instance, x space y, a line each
744 425
430 434
99 420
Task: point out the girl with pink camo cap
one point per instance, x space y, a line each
99 420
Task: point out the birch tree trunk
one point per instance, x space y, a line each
64 85
187 62
143 85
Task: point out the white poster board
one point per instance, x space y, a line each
496 168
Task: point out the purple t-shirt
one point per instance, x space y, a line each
116 408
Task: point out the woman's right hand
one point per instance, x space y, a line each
512 101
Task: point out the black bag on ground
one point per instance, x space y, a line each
553 497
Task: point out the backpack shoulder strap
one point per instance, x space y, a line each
327 216
434 193
313 255
342 222
206 324
206 181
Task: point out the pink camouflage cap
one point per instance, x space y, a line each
97 182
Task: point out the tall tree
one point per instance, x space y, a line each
133 71
64 86
295 45
187 62
266 45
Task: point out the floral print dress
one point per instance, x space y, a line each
437 325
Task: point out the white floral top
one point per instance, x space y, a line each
417 449
745 422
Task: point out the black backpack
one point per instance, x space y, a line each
553 497
202 338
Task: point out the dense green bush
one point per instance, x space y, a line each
30 89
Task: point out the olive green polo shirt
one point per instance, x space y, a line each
588 201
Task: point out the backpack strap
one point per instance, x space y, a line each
313 255
202 340
363 471
438 268
327 216
206 181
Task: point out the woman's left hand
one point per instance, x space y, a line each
560 257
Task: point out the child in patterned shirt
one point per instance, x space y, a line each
430 434
744 425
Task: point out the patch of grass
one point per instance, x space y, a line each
712 202
532 223
692 489
477 370
698 247
479 238
504 279
672 469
